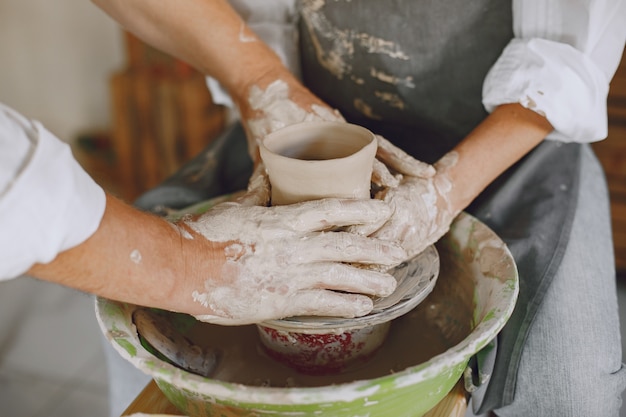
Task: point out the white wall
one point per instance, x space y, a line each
55 60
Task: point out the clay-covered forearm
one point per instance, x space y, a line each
207 34
425 203
234 264
502 139
133 257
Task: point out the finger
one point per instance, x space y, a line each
401 161
308 302
258 193
223 321
348 278
382 177
364 229
325 113
328 213
347 247
329 303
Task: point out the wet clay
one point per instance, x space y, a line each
313 160
440 322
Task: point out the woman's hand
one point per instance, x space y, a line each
422 211
419 195
426 199
284 261
390 158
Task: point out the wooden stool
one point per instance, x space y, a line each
152 401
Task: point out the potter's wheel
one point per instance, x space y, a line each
416 279
474 297
310 345
318 344
331 345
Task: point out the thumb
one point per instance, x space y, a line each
258 193
402 162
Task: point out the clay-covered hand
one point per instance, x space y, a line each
258 191
282 103
285 261
392 163
422 211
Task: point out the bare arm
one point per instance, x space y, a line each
227 264
504 137
425 204
133 257
209 35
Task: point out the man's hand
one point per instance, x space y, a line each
280 103
285 261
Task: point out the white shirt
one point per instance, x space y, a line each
48 203
559 63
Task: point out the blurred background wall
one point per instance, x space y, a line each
55 63
132 114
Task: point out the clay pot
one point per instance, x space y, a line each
313 160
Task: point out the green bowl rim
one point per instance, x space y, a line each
489 326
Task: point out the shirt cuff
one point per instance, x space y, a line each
53 205
555 80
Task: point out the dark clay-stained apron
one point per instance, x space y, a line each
412 70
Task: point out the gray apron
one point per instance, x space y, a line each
412 70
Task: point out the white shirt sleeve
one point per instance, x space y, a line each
48 203
560 63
